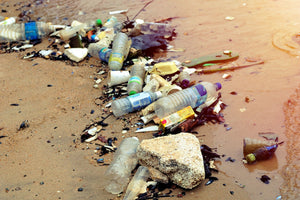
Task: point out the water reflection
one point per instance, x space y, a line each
266 165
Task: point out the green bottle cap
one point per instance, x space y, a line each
132 93
250 158
99 22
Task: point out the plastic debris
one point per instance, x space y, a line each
76 54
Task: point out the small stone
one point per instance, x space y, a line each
42 183
231 192
80 189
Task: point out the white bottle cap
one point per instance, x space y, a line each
159 94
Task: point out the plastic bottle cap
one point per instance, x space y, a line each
132 93
219 86
99 22
159 94
201 89
250 158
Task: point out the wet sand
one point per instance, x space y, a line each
47 161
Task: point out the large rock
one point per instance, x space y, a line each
177 156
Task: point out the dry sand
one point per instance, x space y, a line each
46 160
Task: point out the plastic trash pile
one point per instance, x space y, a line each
161 93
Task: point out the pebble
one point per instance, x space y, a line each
80 189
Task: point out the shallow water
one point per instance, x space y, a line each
203 29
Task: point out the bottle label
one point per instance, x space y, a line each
140 100
135 79
31 31
104 54
116 57
200 99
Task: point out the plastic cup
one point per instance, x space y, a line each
117 77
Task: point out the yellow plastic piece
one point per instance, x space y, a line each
176 118
164 68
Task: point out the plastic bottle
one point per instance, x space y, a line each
120 50
10 20
193 96
113 22
125 160
25 31
100 52
137 184
212 94
78 27
136 80
262 153
184 79
134 102
157 28
106 38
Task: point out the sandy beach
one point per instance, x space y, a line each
47 160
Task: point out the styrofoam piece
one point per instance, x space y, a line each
76 54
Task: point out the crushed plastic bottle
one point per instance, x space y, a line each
25 31
125 160
137 184
78 28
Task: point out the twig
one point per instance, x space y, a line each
142 9
207 71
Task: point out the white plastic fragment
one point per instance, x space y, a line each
217 107
76 54
226 76
118 12
45 52
91 138
26 46
148 118
148 129
229 18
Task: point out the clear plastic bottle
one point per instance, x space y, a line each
193 96
120 50
113 22
212 94
100 52
78 27
134 102
137 184
157 28
106 37
136 80
125 160
184 79
10 20
25 31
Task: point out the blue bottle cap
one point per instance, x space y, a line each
201 89
31 31
219 86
